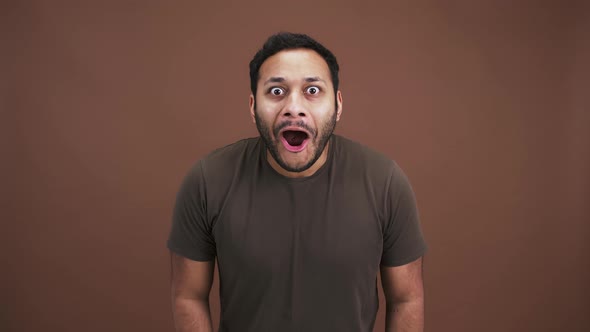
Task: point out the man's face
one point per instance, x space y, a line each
296 107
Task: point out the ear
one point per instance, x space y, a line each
252 108
338 105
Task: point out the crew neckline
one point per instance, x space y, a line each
319 172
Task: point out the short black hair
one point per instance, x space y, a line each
286 41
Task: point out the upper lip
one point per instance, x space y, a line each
294 128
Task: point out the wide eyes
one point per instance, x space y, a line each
310 90
277 91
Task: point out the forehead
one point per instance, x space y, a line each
295 64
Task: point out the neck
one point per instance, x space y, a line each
308 172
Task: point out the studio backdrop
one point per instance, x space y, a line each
105 105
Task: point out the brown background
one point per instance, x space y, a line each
105 105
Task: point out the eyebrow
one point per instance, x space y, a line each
314 79
278 79
275 80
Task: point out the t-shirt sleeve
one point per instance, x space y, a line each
403 241
191 234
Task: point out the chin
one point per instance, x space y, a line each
295 164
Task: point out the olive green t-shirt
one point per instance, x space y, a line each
297 254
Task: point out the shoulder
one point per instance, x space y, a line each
222 164
353 155
230 156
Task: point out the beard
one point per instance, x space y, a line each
319 139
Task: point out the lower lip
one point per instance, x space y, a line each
291 148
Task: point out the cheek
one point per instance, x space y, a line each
264 106
264 114
326 109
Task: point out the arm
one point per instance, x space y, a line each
190 285
404 297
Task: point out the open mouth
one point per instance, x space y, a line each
294 140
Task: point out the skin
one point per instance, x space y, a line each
403 288
295 73
190 287
306 96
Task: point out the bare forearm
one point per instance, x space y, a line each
405 316
192 316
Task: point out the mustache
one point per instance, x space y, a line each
299 124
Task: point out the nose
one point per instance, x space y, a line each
295 106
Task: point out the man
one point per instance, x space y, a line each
300 220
